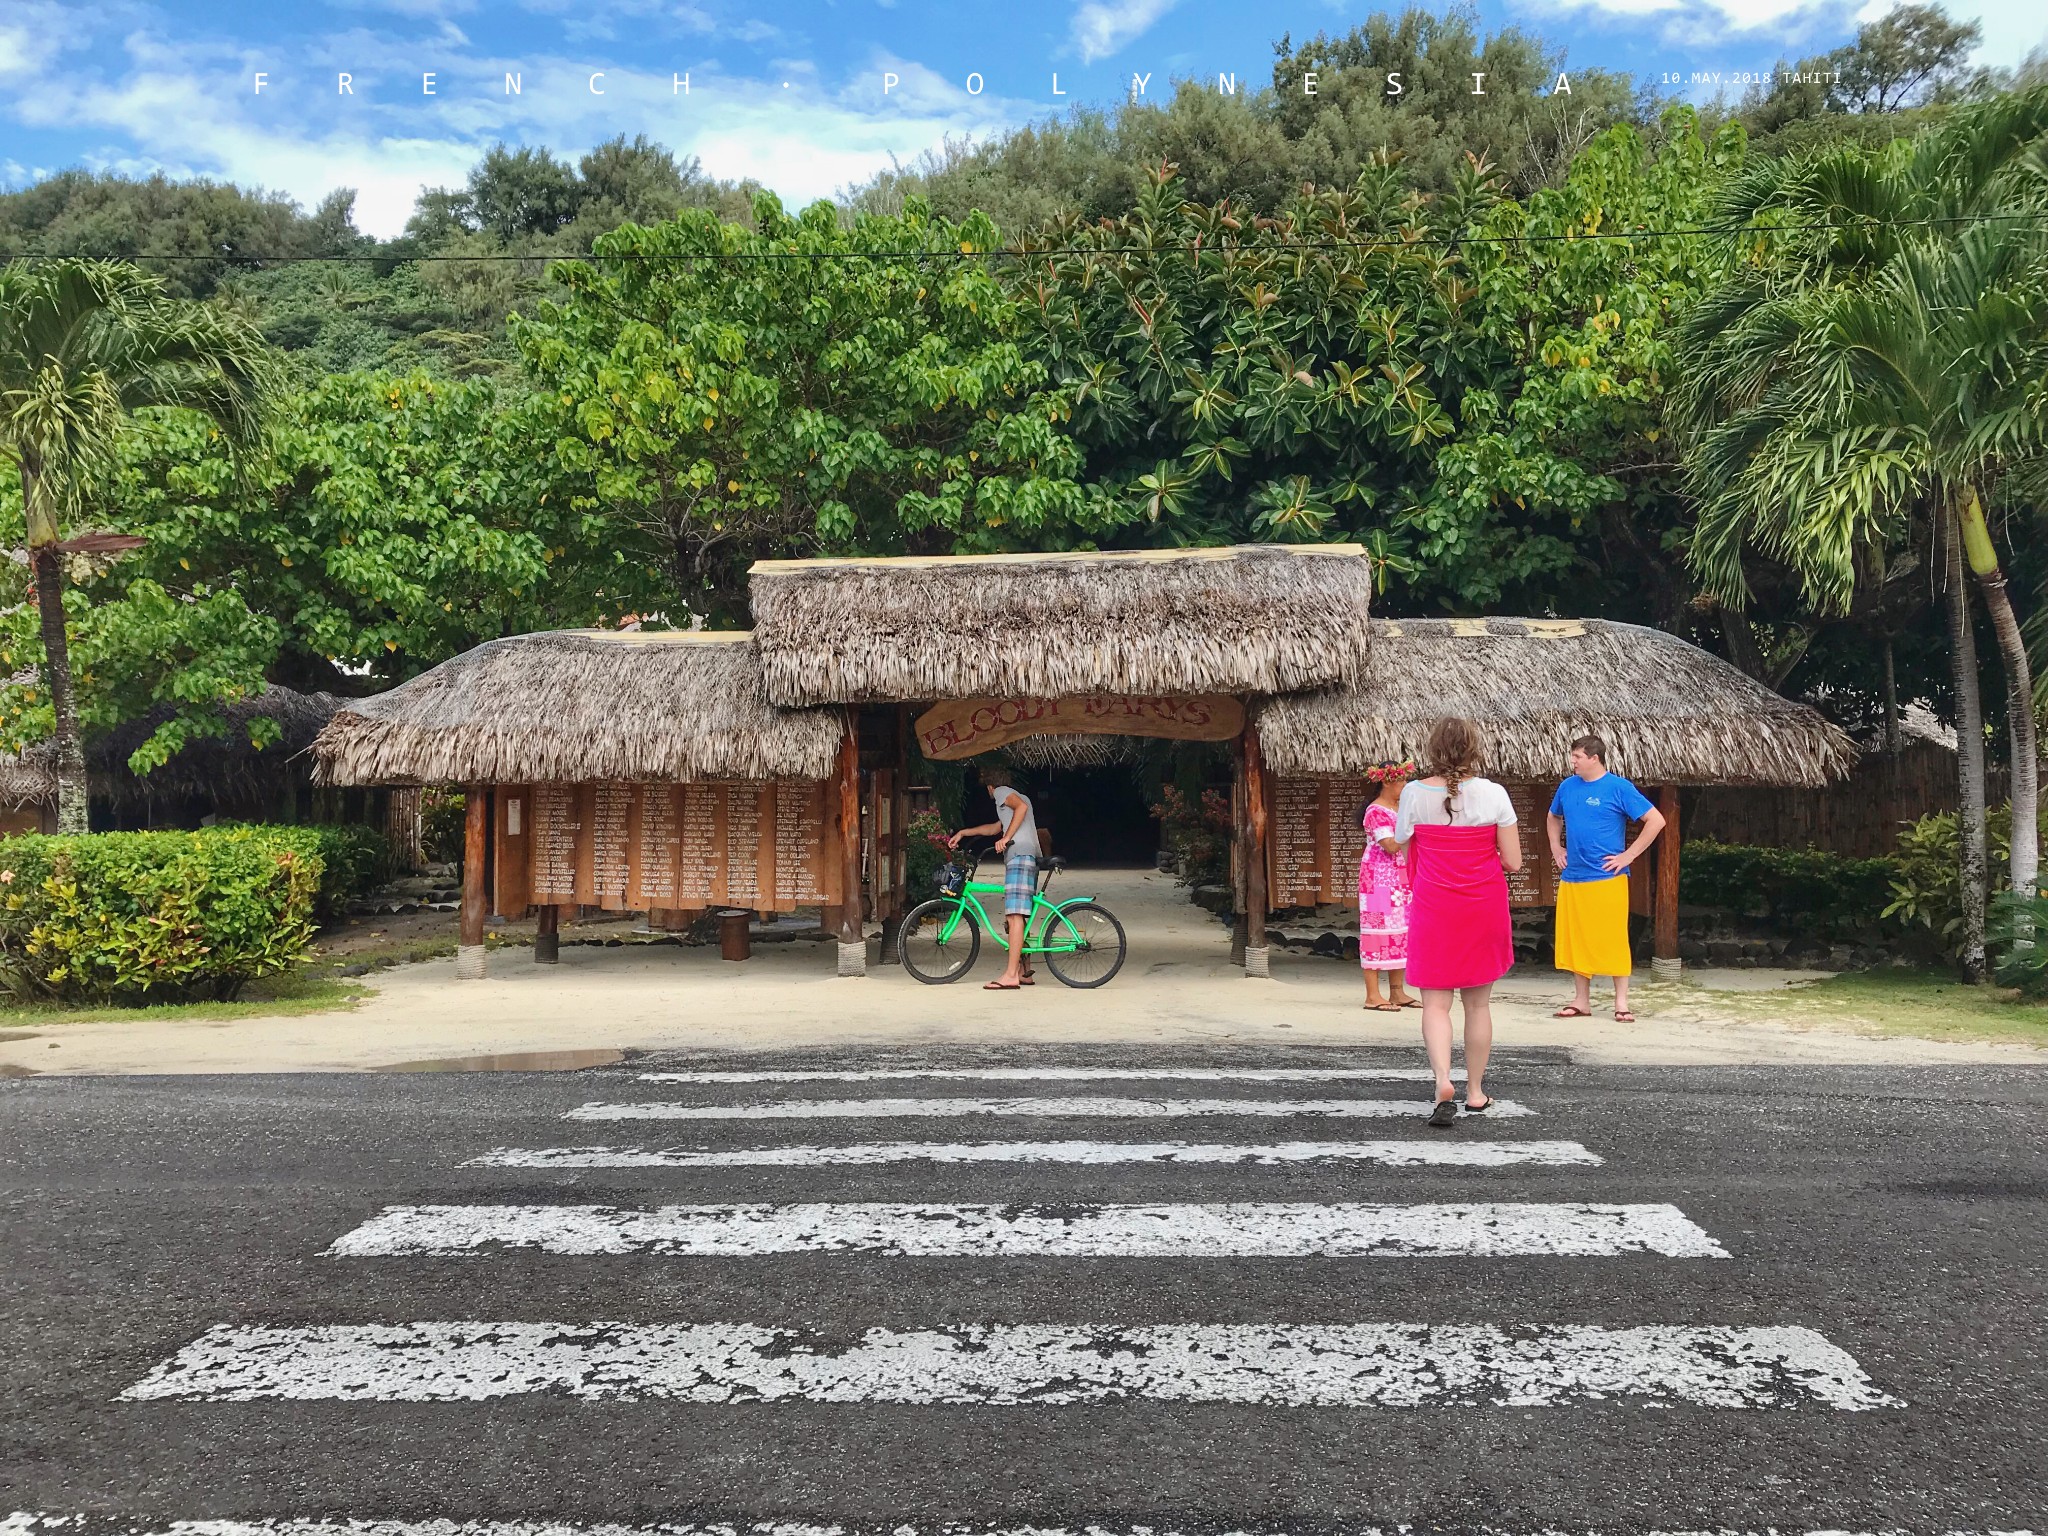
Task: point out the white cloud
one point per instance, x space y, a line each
1102 27
2012 28
188 110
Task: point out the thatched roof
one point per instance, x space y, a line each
581 706
1264 618
217 768
1671 713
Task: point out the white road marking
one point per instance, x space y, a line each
1438 1151
1238 1230
1389 1365
1070 1075
1076 1108
27 1524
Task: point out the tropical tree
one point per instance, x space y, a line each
1878 362
83 344
802 387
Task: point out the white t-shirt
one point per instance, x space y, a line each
1481 803
1026 840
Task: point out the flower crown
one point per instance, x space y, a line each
1379 773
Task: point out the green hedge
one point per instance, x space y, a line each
142 917
1803 892
353 859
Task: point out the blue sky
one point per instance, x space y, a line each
792 94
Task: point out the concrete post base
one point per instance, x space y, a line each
547 949
1255 960
1666 970
469 962
853 959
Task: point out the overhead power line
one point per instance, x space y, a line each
1027 253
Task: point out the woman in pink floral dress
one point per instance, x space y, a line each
1383 894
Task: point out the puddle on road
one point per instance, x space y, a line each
511 1061
9 1069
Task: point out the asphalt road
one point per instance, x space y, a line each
1891 1220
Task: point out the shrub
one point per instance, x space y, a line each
2018 933
1927 891
139 917
354 859
1801 891
444 816
924 850
1199 833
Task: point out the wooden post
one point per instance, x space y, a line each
1255 896
1664 902
547 935
476 842
1240 835
853 954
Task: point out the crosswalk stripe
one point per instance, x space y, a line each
1076 1108
1440 1151
1238 1230
1069 1075
36 1524
1392 1365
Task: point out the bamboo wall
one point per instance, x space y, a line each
1858 818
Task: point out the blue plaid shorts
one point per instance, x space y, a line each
1020 884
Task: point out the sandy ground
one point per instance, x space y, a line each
1176 987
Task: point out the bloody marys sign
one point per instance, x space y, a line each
962 727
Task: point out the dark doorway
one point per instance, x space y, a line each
1097 816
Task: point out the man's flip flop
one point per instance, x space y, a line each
1412 1002
1384 1007
1624 1016
1572 1011
1478 1109
1445 1112
1001 986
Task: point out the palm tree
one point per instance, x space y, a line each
1876 368
82 344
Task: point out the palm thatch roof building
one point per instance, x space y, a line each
582 706
226 775
674 771
1253 619
1670 712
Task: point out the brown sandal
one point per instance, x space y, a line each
1001 986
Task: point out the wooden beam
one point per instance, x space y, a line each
1664 902
547 935
1239 836
476 902
1255 844
847 819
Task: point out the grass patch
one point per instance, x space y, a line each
298 991
1925 1003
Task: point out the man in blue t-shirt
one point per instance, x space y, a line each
1589 819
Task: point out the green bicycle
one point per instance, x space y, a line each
1081 940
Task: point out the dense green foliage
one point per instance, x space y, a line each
351 859
739 405
1485 335
139 917
1800 892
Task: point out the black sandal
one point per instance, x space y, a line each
1480 1108
1445 1113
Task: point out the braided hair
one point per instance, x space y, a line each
1455 752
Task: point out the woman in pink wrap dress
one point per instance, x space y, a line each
1460 837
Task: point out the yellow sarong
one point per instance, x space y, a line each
1592 927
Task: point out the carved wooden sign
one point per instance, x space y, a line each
963 727
642 847
1315 840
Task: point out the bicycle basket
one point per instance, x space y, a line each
949 879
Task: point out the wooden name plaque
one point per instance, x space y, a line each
1314 840
642 847
962 727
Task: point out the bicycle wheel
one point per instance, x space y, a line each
924 956
1098 939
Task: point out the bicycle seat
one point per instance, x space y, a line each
1055 862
